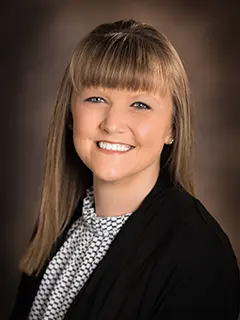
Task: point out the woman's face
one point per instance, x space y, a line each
120 134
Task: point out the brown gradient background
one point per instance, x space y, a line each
37 38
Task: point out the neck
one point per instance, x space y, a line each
123 196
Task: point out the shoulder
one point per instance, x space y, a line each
197 238
192 214
199 252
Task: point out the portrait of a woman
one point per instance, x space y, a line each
121 233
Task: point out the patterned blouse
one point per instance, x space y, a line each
86 244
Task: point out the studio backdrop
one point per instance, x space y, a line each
36 43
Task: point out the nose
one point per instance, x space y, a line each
115 120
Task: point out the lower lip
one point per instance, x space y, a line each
113 151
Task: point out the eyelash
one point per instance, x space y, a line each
141 105
95 99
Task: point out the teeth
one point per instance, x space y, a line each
114 147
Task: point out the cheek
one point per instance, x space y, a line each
84 123
80 132
150 133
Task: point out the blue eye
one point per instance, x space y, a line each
140 105
95 99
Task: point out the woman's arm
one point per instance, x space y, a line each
202 298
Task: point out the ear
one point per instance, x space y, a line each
169 138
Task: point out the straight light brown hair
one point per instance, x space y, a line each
126 55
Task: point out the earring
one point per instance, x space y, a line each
171 141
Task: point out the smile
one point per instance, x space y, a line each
114 146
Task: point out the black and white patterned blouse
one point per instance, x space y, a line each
87 242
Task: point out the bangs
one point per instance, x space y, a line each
120 61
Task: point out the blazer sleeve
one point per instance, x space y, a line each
200 299
25 294
207 281
208 290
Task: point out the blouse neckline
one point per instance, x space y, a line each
100 224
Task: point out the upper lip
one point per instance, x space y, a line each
116 142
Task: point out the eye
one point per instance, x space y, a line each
95 100
140 105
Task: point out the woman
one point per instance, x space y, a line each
120 234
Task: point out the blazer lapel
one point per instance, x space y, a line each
102 294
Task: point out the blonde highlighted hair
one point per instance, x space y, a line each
127 55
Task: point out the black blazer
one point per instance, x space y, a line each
171 260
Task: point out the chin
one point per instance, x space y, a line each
107 176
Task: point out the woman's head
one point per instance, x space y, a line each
132 56
128 57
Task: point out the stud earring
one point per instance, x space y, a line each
171 141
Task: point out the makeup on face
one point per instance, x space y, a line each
118 133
